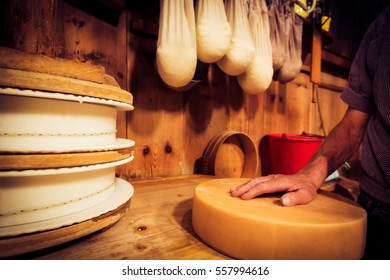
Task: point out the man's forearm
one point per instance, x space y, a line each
338 147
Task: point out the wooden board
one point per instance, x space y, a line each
53 83
15 59
42 240
41 161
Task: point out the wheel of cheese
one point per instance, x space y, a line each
33 121
330 227
32 196
61 229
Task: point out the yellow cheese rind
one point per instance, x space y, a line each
330 227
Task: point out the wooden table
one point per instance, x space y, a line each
156 226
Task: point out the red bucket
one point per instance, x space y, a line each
290 152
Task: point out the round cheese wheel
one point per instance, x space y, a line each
33 196
330 227
38 122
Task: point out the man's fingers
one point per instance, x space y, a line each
295 194
241 189
259 186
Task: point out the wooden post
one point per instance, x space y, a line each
315 71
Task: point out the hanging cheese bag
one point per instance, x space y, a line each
258 76
293 61
176 45
213 31
241 49
277 26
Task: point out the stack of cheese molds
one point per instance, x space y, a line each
58 151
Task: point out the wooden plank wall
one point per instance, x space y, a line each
171 129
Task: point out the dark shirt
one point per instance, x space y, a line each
369 91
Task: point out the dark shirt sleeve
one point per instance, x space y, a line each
358 94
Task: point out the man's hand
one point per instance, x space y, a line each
299 188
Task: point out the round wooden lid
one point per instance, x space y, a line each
23 70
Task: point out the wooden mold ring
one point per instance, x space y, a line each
251 160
